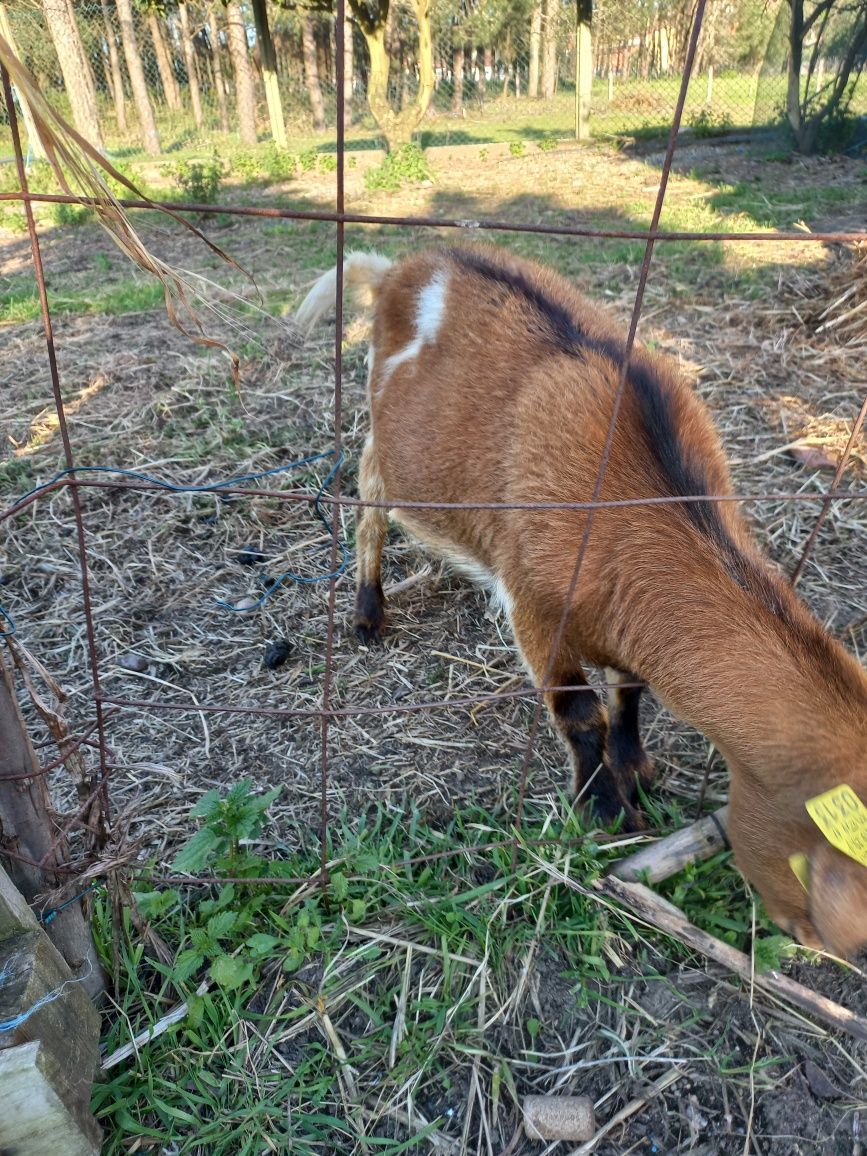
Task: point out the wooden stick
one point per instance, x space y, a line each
176 1014
670 855
670 919
628 1110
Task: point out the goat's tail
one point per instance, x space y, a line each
361 271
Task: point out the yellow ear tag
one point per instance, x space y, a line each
842 818
801 867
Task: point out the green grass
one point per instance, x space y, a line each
21 304
321 1000
770 208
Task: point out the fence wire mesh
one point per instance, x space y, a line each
644 76
98 22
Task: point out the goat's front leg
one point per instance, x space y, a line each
370 534
580 719
626 755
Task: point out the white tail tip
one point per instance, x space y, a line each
363 271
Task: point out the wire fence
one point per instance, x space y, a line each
73 479
90 838
172 77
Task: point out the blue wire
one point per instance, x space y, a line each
49 916
271 586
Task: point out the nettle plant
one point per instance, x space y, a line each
224 932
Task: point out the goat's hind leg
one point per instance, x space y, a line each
370 534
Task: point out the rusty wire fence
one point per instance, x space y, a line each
93 813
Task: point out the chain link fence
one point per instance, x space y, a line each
166 76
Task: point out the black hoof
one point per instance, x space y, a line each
369 620
368 634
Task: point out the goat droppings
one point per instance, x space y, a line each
276 653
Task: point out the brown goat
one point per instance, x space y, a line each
492 380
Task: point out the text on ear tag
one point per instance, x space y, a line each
842 818
800 864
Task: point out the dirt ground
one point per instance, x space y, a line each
140 396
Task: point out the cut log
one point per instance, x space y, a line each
35 1120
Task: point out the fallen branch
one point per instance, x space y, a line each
664 916
647 905
670 855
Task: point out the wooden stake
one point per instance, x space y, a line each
670 855
35 1121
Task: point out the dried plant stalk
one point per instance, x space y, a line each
81 172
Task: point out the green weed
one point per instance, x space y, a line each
307 160
710 122
246 164
199 180
406 165
516 148
287 965
66 214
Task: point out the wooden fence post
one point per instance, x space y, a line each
27 833
49 1041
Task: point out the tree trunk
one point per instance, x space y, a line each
397 129
115 71
190 63
219 83
458 80
244 88
583 69
268 60
140 94
77 79
321 37
311 73
549 49
486 73
37 152
347 69
807 115
535 50
164 64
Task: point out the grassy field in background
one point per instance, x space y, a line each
639 107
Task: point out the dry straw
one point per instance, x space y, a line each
81 172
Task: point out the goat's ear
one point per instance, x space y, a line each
838 899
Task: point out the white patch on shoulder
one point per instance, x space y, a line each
429 313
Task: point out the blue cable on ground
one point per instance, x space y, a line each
271 585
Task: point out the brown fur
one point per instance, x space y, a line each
499 408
